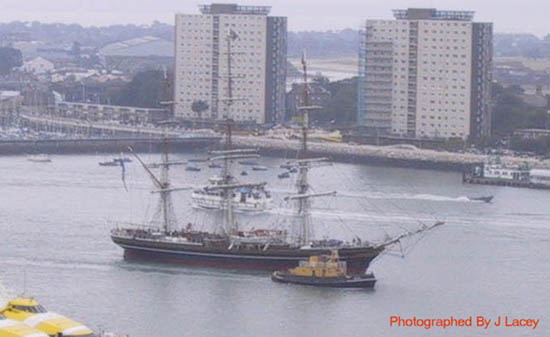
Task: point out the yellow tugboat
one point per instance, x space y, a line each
11 328
324 271
33 315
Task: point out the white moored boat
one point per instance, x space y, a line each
245 199
39 158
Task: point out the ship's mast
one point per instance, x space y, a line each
229 222
302 229
229 154
304 110
165 209
303 205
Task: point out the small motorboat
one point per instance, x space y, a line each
214 165
39 158
192 168
249 163
109 163
324 271
487 198
115 162
259 168
283 175
123 159
244 173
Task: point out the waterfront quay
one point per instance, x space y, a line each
393 155
89 128
67 146
79 136
104 137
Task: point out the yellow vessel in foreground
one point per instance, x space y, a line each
33 315
11 328
324 271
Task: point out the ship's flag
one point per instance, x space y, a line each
121 162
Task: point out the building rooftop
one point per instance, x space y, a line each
234 9
7 94
140 47
432 14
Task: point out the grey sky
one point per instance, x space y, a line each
507 15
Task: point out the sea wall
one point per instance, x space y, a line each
397 156
60 146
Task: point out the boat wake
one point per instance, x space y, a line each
391 196
406 196
339 215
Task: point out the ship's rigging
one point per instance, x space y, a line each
232 246
164 213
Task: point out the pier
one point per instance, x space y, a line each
398 156
87 129
80 136
67 146
469 179
87 137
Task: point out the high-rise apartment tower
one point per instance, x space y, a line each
428 73
258 57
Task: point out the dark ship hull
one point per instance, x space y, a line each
274 258
363 281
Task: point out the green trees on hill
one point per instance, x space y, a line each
342 106
510 112
147 89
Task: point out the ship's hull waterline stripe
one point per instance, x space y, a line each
228 256
213 254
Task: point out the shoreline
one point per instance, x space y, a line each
390 156
82 146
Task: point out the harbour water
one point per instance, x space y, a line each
489 259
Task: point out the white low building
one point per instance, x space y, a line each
38 66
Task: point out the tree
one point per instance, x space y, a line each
510 113
146 90
320 80
342 106
9 59
199 106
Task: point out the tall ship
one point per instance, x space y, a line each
227 245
